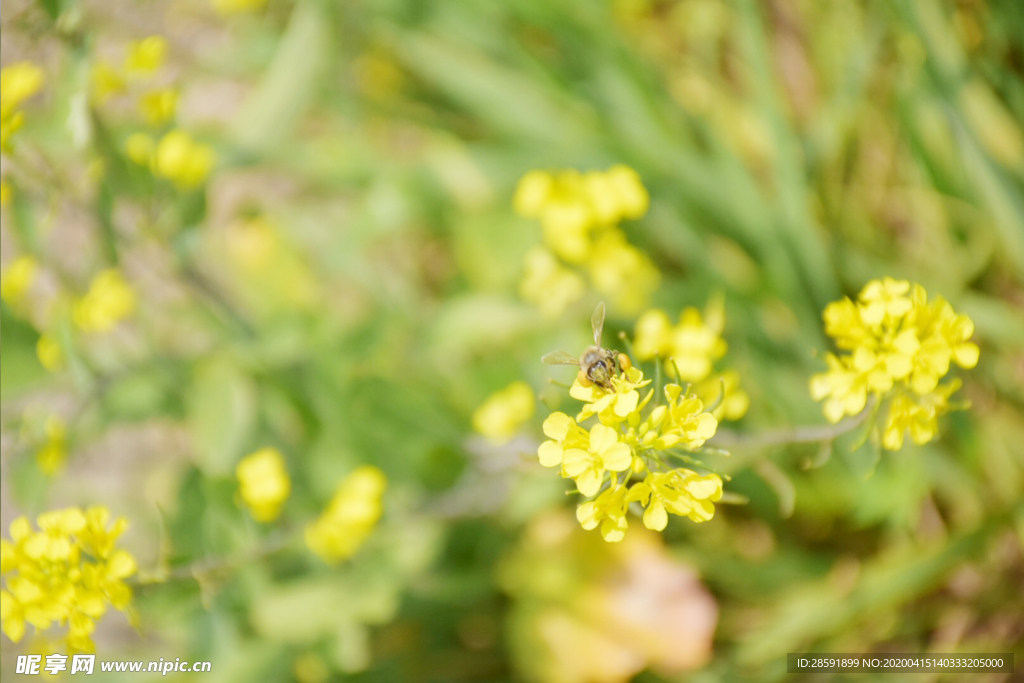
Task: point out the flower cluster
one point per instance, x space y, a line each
110 300
897 346
53 452
504 412
690 349
263 483
143 60
16 281
350 516
621 458
175 157
579 214
18 83
68 572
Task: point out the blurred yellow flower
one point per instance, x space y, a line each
183 161
6 193
548 284
54 452
158 106
110 300
350 517
238 6
899 345
692 346
50 355
504 412
263 483
16 281
622 272
139 147
69 571
18 82
145 56
106 81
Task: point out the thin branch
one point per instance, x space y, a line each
791 435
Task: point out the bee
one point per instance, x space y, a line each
597 364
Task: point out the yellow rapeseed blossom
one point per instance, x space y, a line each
690 350
182 160
54 451
145 56
621 271
158 106
18 82
624 457
350 517
139 147
897 347
106 81
504 412
226 7
16 281
548 284
110 300
6 193
263 483
68 572
50 355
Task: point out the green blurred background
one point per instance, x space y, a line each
793 150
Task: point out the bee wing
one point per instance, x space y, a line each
559 358
597 323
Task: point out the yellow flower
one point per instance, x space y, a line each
532 193
263 483
549 284
140 148
686 422
681 492
621 271
54 453
608 510
350 516
916 414
733 405
614 406
604 452
562 432
18 82
183 161
898 344
503 412
6 193
691 346
109 300
145 56
237 6
49 353
158 106
106 82
67 572
16 281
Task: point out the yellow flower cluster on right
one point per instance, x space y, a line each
579 214
67 572
898 347
18 82
350 517
690 349
143 59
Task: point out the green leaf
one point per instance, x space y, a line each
222 402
